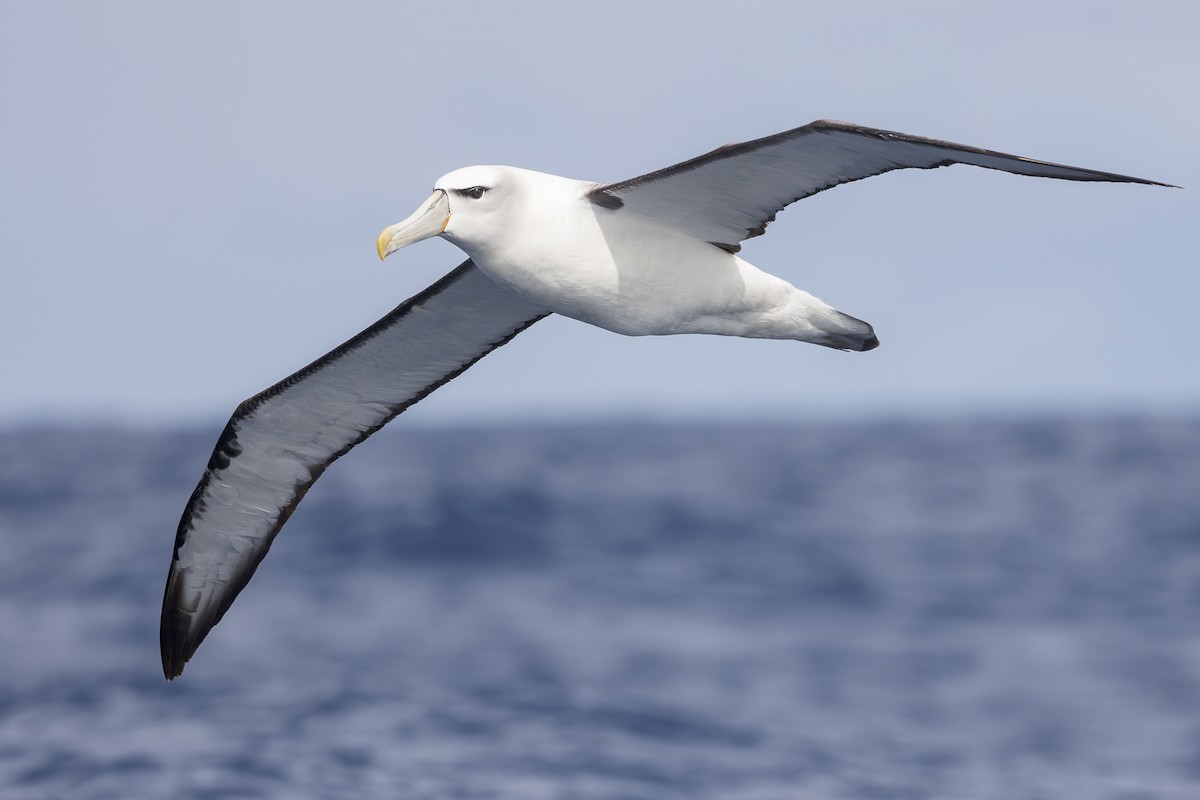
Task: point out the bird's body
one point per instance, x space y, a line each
627 273
652 255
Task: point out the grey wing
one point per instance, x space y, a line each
734 192
279 442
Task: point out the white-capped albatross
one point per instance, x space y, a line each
650 255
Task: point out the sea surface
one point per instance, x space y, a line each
991 610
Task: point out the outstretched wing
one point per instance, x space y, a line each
279 442
734 192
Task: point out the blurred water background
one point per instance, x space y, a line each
967 609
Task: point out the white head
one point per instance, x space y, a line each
471 207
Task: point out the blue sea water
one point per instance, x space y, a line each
964 610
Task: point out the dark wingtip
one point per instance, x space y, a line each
174 657
870 344
177 648
172 664
173 647
168 637
1147 182
176 643
171 671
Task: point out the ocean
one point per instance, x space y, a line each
968 610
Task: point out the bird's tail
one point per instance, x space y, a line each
844 332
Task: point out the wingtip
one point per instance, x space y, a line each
177 641
177 648
173 650
173 661
1145 182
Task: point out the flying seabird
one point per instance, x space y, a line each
650 255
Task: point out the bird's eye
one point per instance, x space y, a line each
475 192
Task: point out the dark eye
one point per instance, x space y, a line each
475 192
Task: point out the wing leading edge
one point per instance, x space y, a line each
280 441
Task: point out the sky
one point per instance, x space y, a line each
191 194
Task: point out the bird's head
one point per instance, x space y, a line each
468 207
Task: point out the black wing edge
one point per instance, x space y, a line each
601 195
176 646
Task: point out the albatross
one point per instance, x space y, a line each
651 255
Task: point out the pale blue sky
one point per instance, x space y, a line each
190 196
